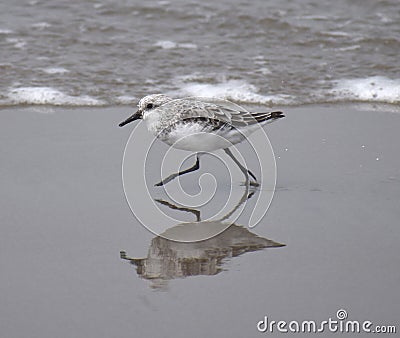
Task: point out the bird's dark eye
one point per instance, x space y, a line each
149 106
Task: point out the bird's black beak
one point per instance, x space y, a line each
136 116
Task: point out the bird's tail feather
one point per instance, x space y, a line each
261 117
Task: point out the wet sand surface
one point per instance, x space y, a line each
330 239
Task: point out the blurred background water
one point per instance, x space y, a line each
276 52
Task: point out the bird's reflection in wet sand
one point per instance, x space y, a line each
169 259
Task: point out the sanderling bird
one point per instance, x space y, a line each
199 125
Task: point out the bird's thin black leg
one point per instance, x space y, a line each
195 167
244 170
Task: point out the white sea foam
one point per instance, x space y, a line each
55 70
18 43
348 48
5 31
166 44
371 89
264 71
235 90
41 25
125 99
187 45
384 18
51 96
336 33
313 17
260 60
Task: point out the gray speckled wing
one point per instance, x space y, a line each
236 115
182 109
207 108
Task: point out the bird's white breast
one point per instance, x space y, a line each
192 137
152 119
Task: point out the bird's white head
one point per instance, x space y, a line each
150 102
145 105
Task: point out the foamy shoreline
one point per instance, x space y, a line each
373 90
